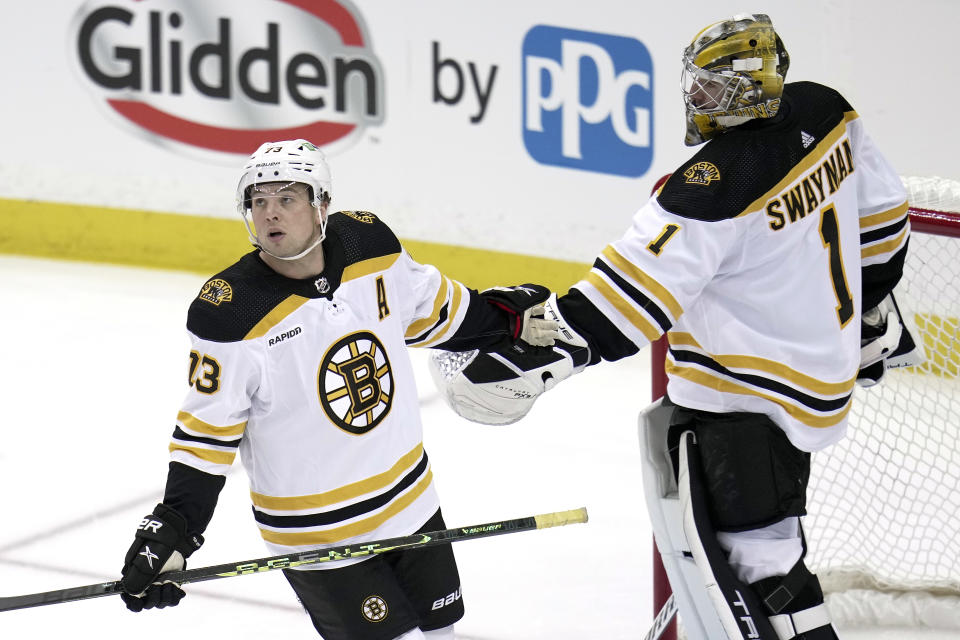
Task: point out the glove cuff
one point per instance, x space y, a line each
186 542
569 340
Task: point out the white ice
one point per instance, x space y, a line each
92 371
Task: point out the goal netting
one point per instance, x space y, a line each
884 503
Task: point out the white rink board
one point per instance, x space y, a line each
425 167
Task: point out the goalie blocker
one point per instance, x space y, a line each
885 342
690 498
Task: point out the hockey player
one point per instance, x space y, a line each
759 258
299 363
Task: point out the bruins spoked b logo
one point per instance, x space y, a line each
355 382
375 609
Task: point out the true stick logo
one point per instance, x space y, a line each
224 76
588 101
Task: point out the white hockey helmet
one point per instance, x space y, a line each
733 71
290 161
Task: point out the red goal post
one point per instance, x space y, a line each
885 502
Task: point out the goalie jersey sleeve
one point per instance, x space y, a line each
755 258
309 382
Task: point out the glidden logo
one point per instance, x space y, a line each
227 76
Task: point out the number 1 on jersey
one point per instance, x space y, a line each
830 234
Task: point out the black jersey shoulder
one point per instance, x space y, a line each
734 169
361 235
235 300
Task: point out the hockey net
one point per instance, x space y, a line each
884 503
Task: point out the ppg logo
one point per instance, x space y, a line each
588 101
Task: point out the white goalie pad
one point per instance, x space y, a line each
700 618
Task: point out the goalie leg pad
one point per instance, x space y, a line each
700 619
740 611
752 475
777 600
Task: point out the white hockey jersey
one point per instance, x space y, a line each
309 380
755 258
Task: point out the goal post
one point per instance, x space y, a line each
884 503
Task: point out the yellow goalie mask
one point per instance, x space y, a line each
733 71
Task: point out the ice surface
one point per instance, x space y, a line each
92 371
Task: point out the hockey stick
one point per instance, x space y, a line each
201 574
663 618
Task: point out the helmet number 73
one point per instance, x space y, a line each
830 235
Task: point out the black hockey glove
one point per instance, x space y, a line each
161 544
524 305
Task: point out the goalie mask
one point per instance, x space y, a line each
733 71
289 161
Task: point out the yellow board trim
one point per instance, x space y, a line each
940 337
708 380
199 426
206 245
330 536
341 494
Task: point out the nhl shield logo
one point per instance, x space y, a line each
355 383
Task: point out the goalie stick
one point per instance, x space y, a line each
662 620
201 574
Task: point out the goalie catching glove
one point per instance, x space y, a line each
161 544
500 387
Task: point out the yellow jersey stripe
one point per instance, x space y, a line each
713 382
796 378
366 267
651 285
423 324
199 426
344 493
276 315
625 309
813 158
210 455
454 307
884 247
884 216
330 536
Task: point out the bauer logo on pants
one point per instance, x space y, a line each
587 101
355 383
221 76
